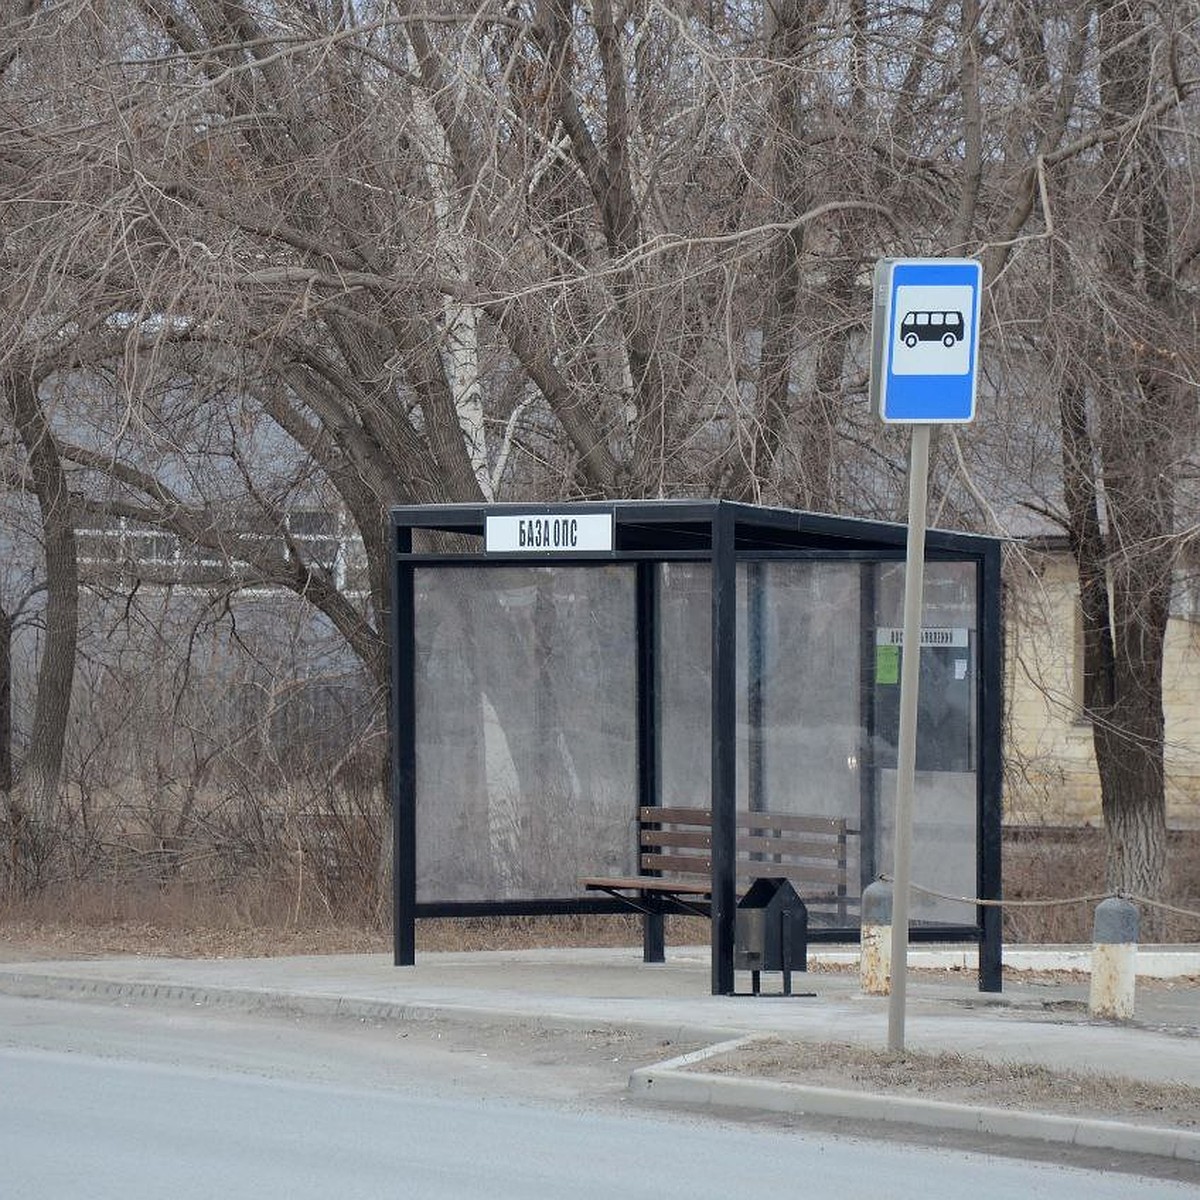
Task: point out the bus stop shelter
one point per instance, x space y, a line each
557 669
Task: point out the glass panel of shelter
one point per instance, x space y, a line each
818 682
945 817
526 730
527 719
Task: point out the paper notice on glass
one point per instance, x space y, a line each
887 664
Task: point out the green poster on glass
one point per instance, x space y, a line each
887 664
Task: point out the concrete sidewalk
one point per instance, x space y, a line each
1039 1018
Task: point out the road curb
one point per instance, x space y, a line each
37 986
668 1083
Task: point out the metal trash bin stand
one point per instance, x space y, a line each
771 932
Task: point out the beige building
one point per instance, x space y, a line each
1051 768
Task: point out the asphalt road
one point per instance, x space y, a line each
100 1101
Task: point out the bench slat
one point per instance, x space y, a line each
676 816
648 883
789 847
680 864
791 823
696 839
785 822
668 840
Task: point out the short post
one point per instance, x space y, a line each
1114 960
785 949
875 946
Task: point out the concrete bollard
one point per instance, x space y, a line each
875 947
1114 960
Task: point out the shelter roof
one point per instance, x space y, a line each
688 524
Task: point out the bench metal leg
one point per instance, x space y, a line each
654 942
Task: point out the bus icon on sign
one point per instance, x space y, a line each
944 327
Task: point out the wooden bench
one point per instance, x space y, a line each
675 860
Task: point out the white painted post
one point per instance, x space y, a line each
1114 960
875 947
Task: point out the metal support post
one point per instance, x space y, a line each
906 751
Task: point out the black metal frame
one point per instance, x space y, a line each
723 533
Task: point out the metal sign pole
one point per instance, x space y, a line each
924 371
906 751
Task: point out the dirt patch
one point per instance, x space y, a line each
29 936
27 941
963 1079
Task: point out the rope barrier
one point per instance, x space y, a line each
982 903
1051 902
1171 908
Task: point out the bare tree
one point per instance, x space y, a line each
385 254
1129 428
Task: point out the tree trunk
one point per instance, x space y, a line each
11 814
1129 734
786 32
6 763
1141 422
1136 826
37 789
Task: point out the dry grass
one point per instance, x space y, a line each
964 1079
179 921
1045 862
525 933
329 899
257 919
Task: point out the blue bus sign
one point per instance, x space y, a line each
925 339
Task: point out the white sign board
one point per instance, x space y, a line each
930 636
548 533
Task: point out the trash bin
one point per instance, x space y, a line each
771 932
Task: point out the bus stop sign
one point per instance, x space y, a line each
925 339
